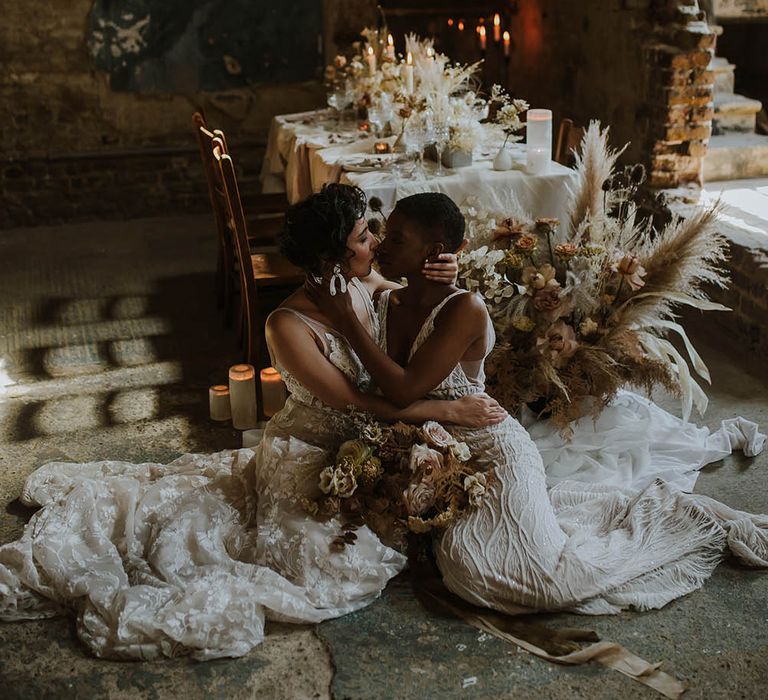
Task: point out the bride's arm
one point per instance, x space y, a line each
461 322
296 350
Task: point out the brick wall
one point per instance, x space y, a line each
108 184
681 93
747 296
639 66
72 148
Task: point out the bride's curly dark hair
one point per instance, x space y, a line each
316 229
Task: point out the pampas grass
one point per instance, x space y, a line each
611 304
594 165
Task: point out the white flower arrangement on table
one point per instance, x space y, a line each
584 309
508 111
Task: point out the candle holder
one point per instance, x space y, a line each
538 138
242 392
381 147
273 391
218 403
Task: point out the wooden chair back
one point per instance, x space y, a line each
229 193
256 270
569 139
224 265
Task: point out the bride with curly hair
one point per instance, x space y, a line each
190 557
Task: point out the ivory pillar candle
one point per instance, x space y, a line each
370 57
242 394
273 391
218 402
409 73
483 37
538 140
390 47
507 44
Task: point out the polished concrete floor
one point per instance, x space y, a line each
109 339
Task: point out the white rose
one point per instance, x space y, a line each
461 451
474 485
425 459
436 435
418 498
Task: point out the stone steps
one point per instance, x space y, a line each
736 156
724 74
734 113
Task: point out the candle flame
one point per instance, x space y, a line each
409 59
481 31
430 52
370 50
496 20
506 37
450 21
390 40
461 25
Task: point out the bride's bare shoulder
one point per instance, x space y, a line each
467 307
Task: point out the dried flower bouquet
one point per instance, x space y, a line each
583 309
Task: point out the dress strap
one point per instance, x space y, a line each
383 306
433 315
429 323
373 319
317 327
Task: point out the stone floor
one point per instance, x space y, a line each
108 342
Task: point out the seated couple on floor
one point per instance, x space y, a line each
191 556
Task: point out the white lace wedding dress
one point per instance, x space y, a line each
584 547
189 557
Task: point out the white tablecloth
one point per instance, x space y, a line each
304 151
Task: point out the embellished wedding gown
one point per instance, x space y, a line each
189 557
583 547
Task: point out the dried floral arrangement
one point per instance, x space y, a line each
585 308
397 479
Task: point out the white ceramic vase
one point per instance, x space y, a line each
503 159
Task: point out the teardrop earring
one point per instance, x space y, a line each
337 278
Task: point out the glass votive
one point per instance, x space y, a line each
242 394
218 402
381 147
538 139
273 391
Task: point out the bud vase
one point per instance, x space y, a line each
503 159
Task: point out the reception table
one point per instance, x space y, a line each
306 150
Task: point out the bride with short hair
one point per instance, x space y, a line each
583 547
189 557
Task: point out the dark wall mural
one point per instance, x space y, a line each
190 45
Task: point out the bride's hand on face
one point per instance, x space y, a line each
338 308
443 268
478 411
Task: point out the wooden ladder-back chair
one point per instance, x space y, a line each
568 142
268 213
226 254
257 270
